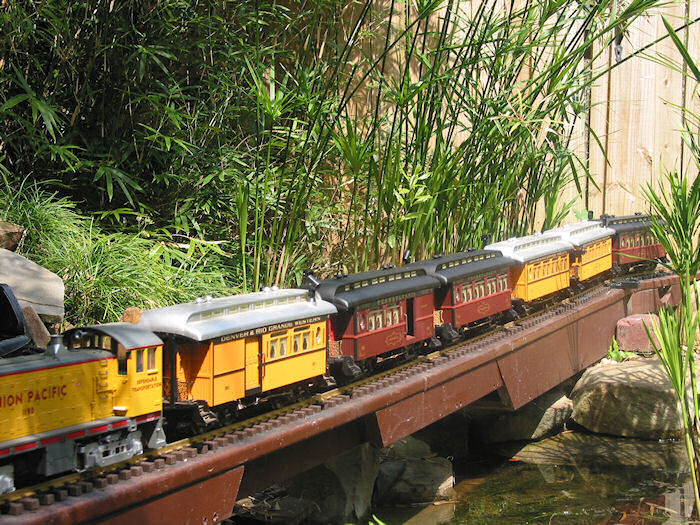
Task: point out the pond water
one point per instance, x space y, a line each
503 491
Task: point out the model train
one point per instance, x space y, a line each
101 394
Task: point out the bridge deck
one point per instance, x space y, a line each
521 363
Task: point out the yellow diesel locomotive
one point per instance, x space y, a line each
92 401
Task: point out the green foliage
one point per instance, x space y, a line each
294 134
676 223
615 354
106 273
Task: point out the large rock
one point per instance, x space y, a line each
632 335
630 399
587 450
544 416
448 436
10 235
342 487
410 473
37 330
33 285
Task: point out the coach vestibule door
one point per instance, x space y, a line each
252 363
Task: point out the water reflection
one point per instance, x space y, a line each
517 492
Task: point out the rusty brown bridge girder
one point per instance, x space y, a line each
521 363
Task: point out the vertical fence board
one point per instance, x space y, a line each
630 139
669 97
692 94
600 106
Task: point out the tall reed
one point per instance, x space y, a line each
471 128
304 132
676 224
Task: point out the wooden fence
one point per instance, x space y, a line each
636 114
635 110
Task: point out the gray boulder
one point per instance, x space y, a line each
341 488
582 450
542 417
33 285
630 399
410 473
448 436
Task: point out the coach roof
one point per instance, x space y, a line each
532 247
349 291
209 318
627 223
452 267
129 335
583 232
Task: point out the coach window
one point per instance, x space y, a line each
378 320
139 360
458 292
152 359
362 322
297 343
273 348
283 346
395 313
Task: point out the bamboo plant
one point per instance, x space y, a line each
676 224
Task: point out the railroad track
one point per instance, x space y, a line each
75 485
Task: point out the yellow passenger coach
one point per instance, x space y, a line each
542 264
591 248
226 353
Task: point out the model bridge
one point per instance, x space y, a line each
199 481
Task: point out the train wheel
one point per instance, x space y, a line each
7 479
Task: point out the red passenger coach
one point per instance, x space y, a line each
633 242
474 286
378 312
